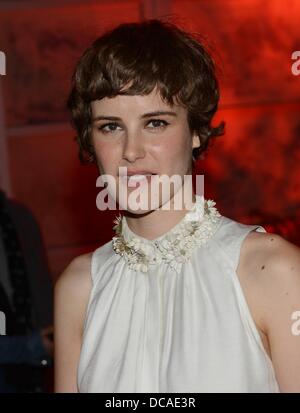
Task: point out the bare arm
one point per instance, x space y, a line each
273 286
283 302
71 295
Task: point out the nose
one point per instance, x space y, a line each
133 147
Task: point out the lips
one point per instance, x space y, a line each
137 172
140 178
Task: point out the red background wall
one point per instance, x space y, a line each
252 172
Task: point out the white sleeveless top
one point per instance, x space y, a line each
172 317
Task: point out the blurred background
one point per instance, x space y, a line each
252 172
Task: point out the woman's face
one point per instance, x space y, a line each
128 132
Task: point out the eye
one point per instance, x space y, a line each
112 126
158 123
108 127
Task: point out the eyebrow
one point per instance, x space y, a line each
145 115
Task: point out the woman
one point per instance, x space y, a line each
180 300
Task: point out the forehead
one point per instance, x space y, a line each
136 104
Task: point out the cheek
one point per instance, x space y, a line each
107 156
177 147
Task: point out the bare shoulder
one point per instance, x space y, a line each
73 286
270 256
269 268
78 268
77 275
71 294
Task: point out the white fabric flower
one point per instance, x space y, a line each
175 247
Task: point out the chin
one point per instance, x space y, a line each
134 206
145 198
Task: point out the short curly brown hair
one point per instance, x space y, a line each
146 54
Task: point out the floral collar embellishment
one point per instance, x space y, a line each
175 247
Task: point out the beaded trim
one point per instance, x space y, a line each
173 248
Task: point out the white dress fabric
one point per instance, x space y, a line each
172 317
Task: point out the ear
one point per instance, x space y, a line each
196 141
